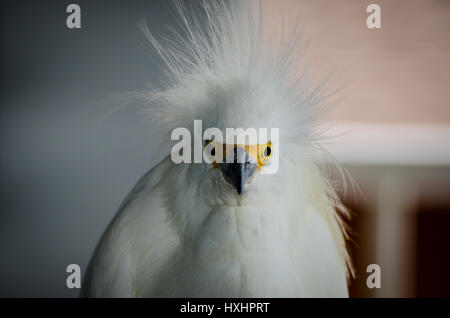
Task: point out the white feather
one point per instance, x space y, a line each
183 231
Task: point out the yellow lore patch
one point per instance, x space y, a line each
260 153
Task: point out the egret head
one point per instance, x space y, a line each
228 74
241 129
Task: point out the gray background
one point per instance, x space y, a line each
66 163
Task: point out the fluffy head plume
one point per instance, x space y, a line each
226 71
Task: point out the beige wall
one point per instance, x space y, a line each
399 73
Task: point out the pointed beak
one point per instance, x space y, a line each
238 169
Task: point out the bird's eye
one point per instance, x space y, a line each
264 156
209 147
267 153
211 151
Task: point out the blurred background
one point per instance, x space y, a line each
67 161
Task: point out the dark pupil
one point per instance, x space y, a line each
267 152
213 152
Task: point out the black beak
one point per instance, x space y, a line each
239 171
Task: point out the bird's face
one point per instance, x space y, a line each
243 169
237 165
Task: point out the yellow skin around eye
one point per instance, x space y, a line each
256 152
262 158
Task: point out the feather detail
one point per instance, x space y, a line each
182 231
227 72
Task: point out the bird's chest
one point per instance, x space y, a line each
241 252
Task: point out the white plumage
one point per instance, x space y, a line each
184 231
